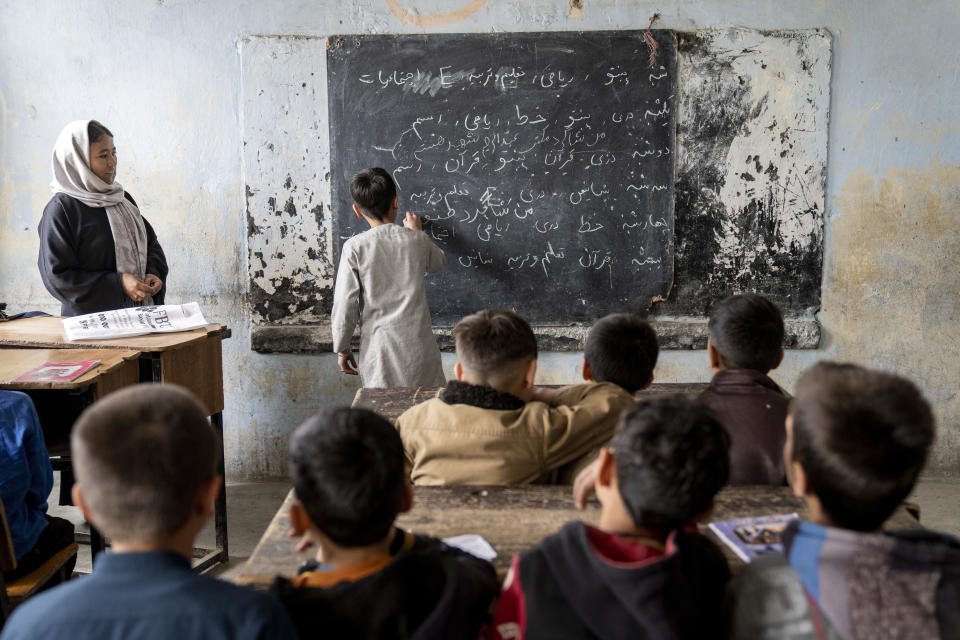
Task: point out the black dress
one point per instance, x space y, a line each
78 261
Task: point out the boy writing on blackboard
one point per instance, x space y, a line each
380 285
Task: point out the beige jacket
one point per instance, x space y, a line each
477 435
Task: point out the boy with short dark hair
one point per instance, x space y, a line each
145 459
643 572
856 441
491 425
621 348
745 343
380 285
371 579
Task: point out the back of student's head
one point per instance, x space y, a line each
142 456
747 332
672 459
373 191
347 468
621 348
495 344
862 438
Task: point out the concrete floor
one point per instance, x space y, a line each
251 506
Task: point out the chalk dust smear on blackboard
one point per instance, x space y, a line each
542 163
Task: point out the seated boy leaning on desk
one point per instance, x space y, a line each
380 285
643 572
493 426
856 441
370 578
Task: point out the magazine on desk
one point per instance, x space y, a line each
57 371
134 321
751 537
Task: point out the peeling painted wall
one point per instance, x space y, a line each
166 77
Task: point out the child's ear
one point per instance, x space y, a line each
300 522
77 494
356 210
606 468
530 374
458 371
208 495
587 371
396 200
407 502
714 356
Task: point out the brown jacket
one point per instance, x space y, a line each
477 435
752 408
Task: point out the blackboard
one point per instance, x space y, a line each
542 163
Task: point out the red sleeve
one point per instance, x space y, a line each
510 620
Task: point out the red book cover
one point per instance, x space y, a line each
58 371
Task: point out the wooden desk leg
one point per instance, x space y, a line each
220 513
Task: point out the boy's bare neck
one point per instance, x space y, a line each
179 542
337 557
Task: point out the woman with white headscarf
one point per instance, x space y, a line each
96 251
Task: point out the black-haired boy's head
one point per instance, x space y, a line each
496 348
373 191
347 468
671 458
621 348
860 438
143 456
747 332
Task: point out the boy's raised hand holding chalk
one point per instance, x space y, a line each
412 221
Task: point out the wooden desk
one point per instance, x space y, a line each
117 368
511 519
390 403
192 359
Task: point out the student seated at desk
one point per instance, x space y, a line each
745 343
371 579
26 479
856 441
145 459
643 572
491 425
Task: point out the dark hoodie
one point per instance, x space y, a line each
584 583
432 591
837 583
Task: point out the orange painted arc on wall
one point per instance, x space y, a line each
434 20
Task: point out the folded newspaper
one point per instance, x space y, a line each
134 321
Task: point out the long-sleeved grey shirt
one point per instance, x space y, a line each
380 285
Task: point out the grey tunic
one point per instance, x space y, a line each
380 285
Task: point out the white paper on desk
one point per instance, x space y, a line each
134 321
473 544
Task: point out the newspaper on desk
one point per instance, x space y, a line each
134 321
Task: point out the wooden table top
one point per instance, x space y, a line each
16 362
511 519
390 403
47 331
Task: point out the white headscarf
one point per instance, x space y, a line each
72 175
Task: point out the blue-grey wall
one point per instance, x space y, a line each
165 76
